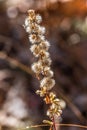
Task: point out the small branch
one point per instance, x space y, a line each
54 126
15 63
65 125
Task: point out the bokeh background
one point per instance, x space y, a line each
66 29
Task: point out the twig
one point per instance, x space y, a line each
65 125
15 63
54 125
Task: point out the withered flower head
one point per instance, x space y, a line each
39 48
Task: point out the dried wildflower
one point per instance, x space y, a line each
28 29
45 63
42 92
41 30
48 82
44 45
48 72
54 110
37 68
38 19
35 50
31 12
52 98
34 38
42 66
44 55
49 98
26 22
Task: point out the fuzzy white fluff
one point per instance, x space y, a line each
26 22
38 18
46 62
48 82
48 72
44 45
36 67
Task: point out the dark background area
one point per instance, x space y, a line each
66 29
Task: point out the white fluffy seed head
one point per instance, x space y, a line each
35 50
37 29
34 27
38 18
48 83
45 45
26 22
33 47
37 68
28 29
31 12
49 113
48 72
60 111
38 52
33 38
36 38
45 62
53 106
62 104
32 15
44 55
41 30
42 37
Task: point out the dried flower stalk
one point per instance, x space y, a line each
42 68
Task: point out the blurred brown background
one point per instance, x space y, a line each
66 25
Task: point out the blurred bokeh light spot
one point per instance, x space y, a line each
12 12
74 38
65 24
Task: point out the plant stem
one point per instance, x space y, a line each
54 126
